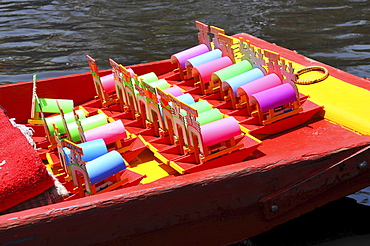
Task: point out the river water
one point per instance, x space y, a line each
51 38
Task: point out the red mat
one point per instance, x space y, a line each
22 173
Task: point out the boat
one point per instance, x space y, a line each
219 143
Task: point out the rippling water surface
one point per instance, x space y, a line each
51 38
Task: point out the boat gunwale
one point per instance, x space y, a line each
151 196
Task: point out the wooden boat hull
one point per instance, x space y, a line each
226 203
282 180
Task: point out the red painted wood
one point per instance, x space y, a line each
286 199
227 209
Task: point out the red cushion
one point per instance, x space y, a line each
22 173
